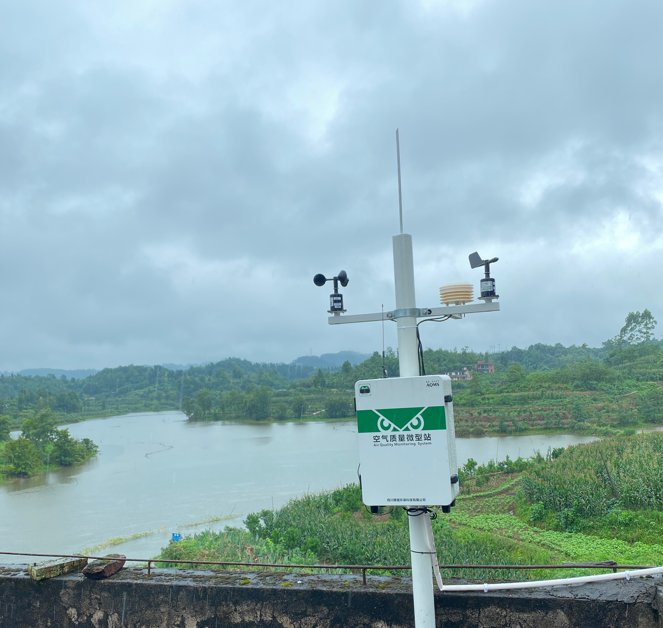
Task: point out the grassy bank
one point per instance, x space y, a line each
497 520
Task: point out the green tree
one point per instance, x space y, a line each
280 411
475 385
66 450
68 402
258 403
515 374
22 457
5 427
298 406
200 407
39 428
650 405
319 380
338 407
347 376
587 375
234 404
635 340
638 328
578 411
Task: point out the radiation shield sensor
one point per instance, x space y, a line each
406 440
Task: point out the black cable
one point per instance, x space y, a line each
420 348
420 354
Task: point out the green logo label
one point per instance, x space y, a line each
401 420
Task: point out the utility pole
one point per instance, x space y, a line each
408 362
406 315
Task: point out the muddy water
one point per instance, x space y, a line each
157 474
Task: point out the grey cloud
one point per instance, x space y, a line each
172 177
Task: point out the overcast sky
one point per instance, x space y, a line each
174 172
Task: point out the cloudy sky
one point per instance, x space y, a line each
174 172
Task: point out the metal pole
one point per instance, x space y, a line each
400 196
408 360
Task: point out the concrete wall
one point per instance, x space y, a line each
187 599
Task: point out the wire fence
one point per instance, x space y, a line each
363 569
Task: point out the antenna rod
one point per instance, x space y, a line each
400 196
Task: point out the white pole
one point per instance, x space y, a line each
408 360
400 195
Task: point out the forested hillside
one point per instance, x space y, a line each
575 388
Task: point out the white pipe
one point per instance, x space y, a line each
433 555
530 584
500 586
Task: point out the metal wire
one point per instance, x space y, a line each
606 564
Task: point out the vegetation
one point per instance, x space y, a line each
613 480
41 446
501 517
542 387
604 391
602 501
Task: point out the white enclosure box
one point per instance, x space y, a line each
407 442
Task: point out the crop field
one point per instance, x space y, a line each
499 519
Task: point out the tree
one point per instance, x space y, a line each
634 341
65 449
280 411
346 375
318 380
475 386
68 402
515 374
39 428
199 408
650 405
258 404
338 407
22 457
587 375
578 411
234 404
5 423
298 407
638 328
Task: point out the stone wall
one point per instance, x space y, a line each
187 599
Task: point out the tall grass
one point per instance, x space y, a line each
602 477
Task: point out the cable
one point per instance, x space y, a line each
420 348
420 354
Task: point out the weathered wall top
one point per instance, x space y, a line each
194 599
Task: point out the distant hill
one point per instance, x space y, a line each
328 361
68 373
